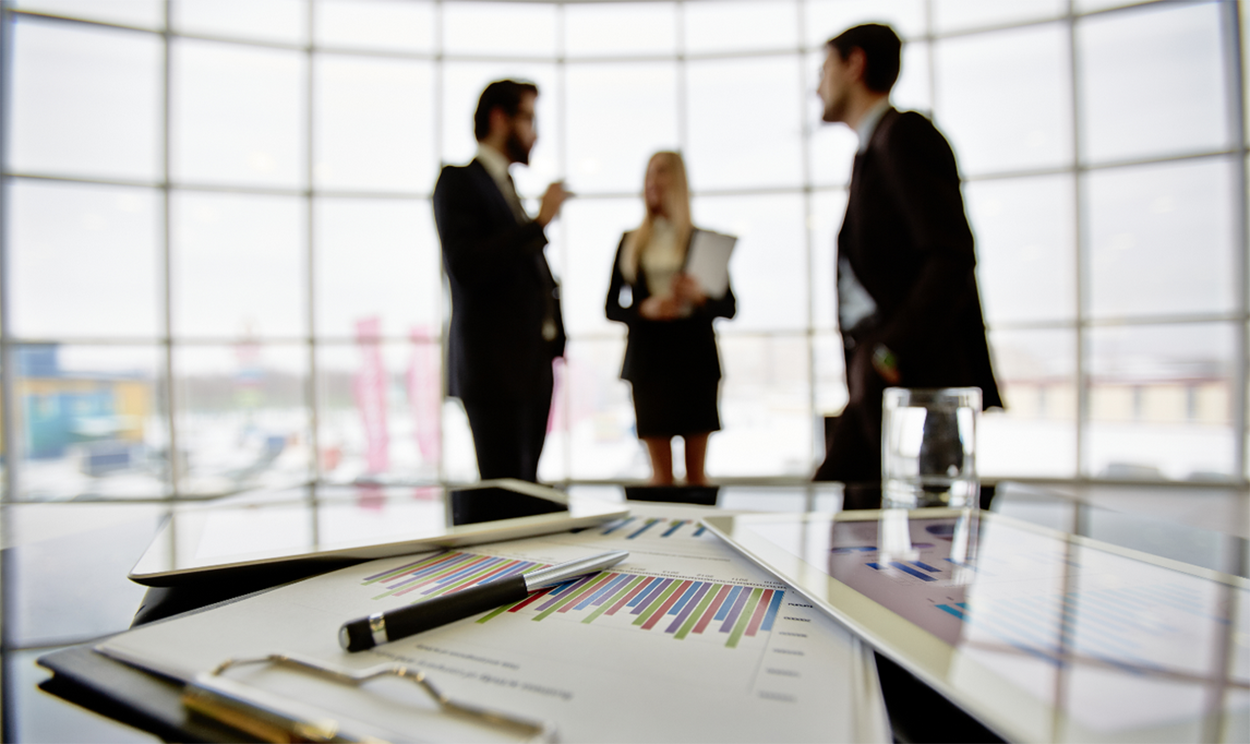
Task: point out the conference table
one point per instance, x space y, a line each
65 586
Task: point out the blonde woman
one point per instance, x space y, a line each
671 359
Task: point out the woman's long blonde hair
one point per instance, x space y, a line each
676 204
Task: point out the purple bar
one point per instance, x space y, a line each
433 560
575 585
625 578
646 587
694 602
685 598
443 573
602 593
733 614
432 570
651 595
471 570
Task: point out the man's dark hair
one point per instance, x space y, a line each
882 52
504 94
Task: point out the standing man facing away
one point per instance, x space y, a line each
908 305
506 327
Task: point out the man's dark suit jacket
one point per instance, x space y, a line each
501 291
907 240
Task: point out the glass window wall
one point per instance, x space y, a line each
221 268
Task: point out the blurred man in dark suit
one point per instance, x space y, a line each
506 327
908 305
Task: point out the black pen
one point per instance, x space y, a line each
382 627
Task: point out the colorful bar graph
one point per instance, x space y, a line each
674 607
446 573
666 528
677 608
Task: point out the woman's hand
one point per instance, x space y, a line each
660 308
686 290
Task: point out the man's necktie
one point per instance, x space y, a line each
514 201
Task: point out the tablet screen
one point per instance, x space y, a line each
1042 635
354 523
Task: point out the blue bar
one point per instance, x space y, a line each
484 565
951 610
618 525
650 523
773 606
691 608
699 531
727 604
926 567
909 570
674 528
685 598
610 586
646 587
874 565
651 595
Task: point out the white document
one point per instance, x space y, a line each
713 649
708 261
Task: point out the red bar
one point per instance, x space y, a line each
530 598
672 600
591 589
711 609
760 609
632 592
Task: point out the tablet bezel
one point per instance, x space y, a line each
156 566
998 703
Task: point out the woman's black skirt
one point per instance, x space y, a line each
675 407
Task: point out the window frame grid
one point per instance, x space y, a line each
1081 325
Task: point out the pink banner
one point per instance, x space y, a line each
425 393
369 388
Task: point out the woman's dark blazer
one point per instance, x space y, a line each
684 348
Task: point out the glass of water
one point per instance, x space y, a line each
928 447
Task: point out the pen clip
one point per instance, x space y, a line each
271 718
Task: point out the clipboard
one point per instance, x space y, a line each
708 261
274 718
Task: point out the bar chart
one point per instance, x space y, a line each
677 607
631 528
445 573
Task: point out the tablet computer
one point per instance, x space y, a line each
340 524
1041 635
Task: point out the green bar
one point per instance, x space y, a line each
642 618
473 578
684 630
580 593
744 619
614 599
458 567
500 610
413 568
